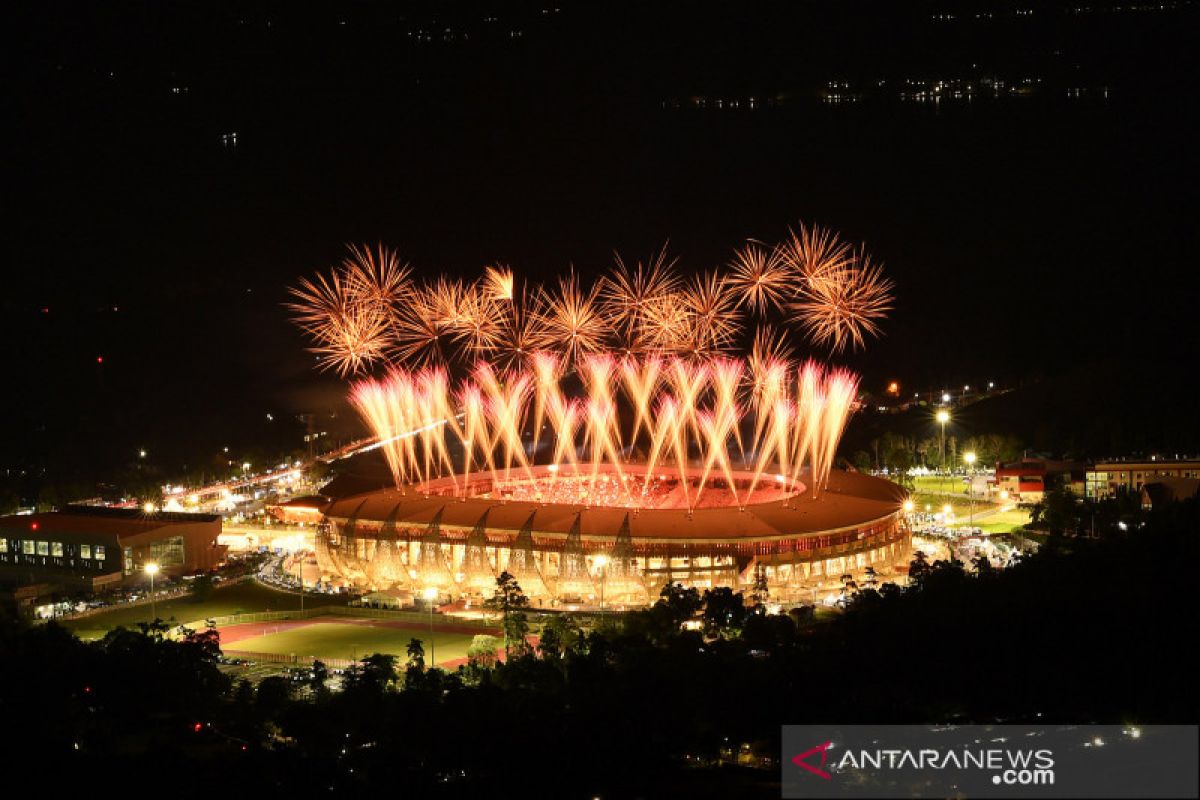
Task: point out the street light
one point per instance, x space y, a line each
430 595
601 561
943 416
151 569
300 577
970 459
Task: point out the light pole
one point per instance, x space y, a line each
601 561
908 512
430 595
970 459
300 577
943 416
151 569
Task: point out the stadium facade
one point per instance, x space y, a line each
457 536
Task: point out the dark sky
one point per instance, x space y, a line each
1027 236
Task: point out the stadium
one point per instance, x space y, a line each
599 439
614 539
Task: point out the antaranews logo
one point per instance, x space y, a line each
1042 761
802 762
1009 766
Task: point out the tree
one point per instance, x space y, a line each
482 652
274 694
379 670
849 589
918 568
1058 511
870 578
724 611
318 678
205 644
510 601
983 566
560 635
416 655
761 592
680 603
202 588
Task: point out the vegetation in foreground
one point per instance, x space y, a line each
1082 631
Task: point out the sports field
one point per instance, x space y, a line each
347 638
240 598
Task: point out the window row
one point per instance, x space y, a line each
31 547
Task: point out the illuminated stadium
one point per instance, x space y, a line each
458 536
599 441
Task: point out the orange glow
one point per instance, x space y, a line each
369 312
678 408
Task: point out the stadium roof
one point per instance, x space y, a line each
852 499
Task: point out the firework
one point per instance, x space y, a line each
629 297
845 305
761 278
713 320
570 320
651 353
376 277
680 409
813 253
477 325
349 334
499 282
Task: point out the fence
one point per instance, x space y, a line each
160 596
288 658
417 618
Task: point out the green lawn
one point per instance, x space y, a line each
247 597
939 484
960 504
346 640
1004 521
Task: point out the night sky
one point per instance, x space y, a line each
1029 237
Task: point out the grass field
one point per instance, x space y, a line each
960 504
939 484
239 598
329 637
1004 521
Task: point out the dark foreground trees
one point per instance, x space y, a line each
1088 631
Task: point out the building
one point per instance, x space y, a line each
1164 491
1025 481
90 547
455 537
1108 477
304 510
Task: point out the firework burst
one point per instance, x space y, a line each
569 320
499 282
761 278
351 328
367 311
843 307
630 297
712 315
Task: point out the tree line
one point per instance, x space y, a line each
644 702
